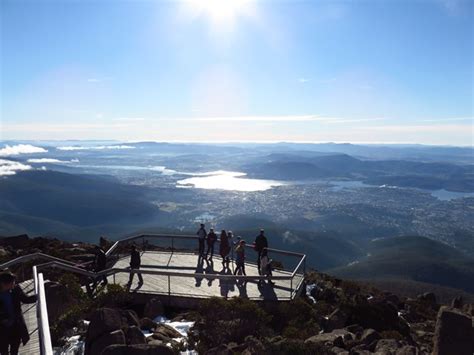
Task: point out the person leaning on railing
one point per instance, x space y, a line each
13 328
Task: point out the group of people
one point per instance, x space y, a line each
226 242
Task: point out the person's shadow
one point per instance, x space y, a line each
199 270
242 287
226 285
210 270
267 291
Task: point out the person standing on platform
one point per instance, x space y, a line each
211 239
260 245
13 329
224 248
135 263
240 258
201 233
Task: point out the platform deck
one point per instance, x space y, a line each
202 287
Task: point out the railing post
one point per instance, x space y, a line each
304 266
169 286
291 288
114 278
172 243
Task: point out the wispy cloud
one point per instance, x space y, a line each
21 149
290 118
100 147
303 80
131 119
450 119
8 167
51 161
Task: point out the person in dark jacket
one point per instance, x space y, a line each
100 263
13 330
260 244
211 239
201 233
135 262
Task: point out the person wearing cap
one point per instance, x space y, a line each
13 330
135 263
260 245
211 239
201 233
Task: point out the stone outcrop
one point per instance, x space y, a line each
153 308
149 349
454 333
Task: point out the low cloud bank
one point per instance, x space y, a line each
8 167
100 147
21 149
52 161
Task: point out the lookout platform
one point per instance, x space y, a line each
178 283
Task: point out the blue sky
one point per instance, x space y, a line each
238 70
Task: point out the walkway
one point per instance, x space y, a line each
202 287
29 312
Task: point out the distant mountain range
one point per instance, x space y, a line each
415 259
431 176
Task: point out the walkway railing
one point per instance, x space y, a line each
46 347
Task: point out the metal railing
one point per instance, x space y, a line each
44 334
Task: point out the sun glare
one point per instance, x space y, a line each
221 12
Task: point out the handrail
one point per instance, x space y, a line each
33 256
113 271
42 314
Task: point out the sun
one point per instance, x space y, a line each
221 12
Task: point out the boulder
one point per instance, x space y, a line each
428 297
336 320
134 335
15 242
454 333
103 321
457 302
165 333
336 337
369 336
57 295
131 318
339 351
387 346
142 349
407 350
147 324
112 338
153 308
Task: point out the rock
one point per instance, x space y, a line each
221 349
15 242
378 315
147 324
339 351
167 330
102 321
148 349
153 308
454 333
369 336
328 338
387 346
336 320
131 318
112 338
457 302
355 329
134 336
3 252
57 295
407 350
428 297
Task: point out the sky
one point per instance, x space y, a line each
385 71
